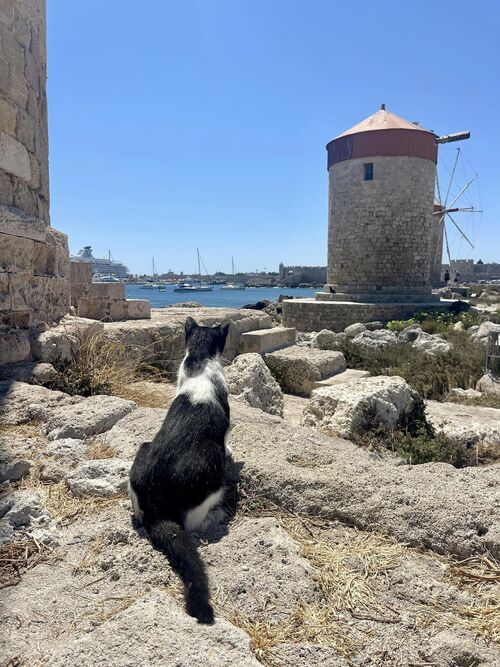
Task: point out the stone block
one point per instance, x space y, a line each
8 117
26 130
14 157
21 29
349 375
32 372
20 319
16 254
107 290
79 291
18 223
81 272
362 405
297 368
11 49
266 340
5 300
24 197
44 259
138 309
6 192
14 346
18 87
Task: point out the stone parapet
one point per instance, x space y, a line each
312 315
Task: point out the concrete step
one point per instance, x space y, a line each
266 340
349 375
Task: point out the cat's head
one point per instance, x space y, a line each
204 341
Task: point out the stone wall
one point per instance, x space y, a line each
380 230
311 315
103 301
34 258
24 172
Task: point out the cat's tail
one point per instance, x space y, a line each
176 544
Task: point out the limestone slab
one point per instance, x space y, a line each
266 340
298 368
14 157
16 254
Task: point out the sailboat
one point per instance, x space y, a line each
154 284
199 287
233 285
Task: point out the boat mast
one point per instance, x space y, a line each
232 264
199 267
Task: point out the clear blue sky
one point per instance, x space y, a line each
204 122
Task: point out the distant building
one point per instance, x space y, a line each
470 271
291 276
106 267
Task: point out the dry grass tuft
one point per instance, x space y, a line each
61 504
118 605
102 365
346 568
98 449
477 570
17 557
150 394
88 563
32 429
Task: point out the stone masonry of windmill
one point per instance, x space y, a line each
343 551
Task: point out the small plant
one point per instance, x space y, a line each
100 365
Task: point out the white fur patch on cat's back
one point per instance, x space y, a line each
201 388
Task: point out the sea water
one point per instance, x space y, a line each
217 297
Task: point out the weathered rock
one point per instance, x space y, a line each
468 424
257 567
328 340
456 649
297 368
24 510
21 402
361 405
250 380
181 641
58 344
409 333
13 465
457 393
431 344
485 329
52 472
354 330
305 338
312 655
488 385
68 450
435 506
375 340
102 477
374 326
139 426
90 416
32 372
14 346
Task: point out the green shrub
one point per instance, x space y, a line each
431 376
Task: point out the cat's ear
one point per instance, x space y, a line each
190 326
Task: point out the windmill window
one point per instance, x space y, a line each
368 171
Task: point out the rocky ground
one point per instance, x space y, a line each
337 556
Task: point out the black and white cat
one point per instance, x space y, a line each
178 477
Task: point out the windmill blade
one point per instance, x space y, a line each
466 186
451 177
461 232
447 244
